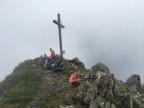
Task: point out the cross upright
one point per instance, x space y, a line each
58 22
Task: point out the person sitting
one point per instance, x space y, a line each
75 78
54 68
52 53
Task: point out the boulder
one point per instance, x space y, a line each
113 106
100 67
107 104
134 83
87 92
142 101
98 102
77 62
136 103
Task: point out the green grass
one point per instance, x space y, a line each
21 86
61 97
66 96
26 89
14 105
24 83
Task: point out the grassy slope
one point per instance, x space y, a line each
65 96
25 83
20 86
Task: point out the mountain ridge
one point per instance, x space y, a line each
33 87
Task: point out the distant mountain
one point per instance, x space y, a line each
32 86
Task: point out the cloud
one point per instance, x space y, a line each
106 31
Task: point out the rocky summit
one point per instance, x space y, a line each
30 86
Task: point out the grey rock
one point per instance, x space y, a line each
134 82
136 103
107 92
107 104
80 95
98 102
100 67
113 105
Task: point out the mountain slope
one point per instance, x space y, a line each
29 87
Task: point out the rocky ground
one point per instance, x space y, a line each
98 89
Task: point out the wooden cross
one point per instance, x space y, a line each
59 29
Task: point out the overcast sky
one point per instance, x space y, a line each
106 31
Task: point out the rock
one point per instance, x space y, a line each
142 91
100 67
60 106
134 82
100 74
80 95
113 106
87 92
0 98
90 95
98 88
122 96
105 85
107 104
98 102
87 77
77 62
128 101
107 92
136 103
66 106
109 95
142 102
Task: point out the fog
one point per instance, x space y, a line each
106 31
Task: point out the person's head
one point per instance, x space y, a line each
50 49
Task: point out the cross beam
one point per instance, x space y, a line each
59 29
56 22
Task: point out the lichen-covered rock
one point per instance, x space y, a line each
113 105
142 89
77 62
66 106
100 67
142 101
134 82
136 103
108 104
87 92
107 92
98 102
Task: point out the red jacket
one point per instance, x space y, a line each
73 77
52 53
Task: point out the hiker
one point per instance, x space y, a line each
75 78
52 53
54 68
46 61
41 61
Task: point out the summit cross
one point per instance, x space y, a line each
58 23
